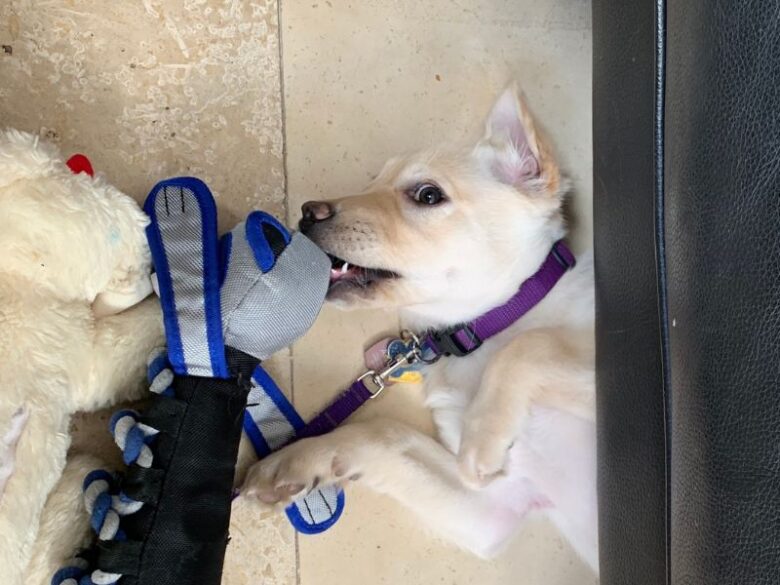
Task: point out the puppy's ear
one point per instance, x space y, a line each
513 150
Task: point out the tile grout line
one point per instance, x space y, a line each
285 174
283 112
297 559
286 191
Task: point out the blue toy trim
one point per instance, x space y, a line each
167 297
211 275
269 219
255 437
279 399
264 256
304 527
225 249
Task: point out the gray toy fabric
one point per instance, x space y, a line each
282 303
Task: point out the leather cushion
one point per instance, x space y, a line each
722 170
630 401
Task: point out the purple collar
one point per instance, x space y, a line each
457 341
463 339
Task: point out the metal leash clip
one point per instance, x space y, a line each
410 354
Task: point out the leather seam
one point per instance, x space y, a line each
661 267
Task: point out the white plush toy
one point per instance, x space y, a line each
73 257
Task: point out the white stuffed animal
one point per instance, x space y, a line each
73 257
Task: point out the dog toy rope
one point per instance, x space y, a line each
76 573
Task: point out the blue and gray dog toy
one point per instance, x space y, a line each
227 304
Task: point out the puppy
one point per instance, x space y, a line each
445 236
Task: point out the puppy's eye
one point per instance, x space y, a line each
427 194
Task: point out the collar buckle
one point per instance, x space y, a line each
563 255
458 341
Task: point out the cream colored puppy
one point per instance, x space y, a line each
446 236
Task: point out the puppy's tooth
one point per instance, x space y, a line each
345 267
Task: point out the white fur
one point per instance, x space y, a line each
515 419
66 240
8 445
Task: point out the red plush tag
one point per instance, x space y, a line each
79 163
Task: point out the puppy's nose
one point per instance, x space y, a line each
313 212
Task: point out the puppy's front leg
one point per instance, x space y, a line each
392 458
546 367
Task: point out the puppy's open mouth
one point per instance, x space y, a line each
343 273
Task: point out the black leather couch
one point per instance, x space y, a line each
687 220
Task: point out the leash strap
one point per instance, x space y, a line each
338 411
456 341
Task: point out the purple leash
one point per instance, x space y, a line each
455 341
338 411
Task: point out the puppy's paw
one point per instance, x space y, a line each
482 458
289 474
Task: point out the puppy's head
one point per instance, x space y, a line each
445 233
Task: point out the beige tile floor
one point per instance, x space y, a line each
273 102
